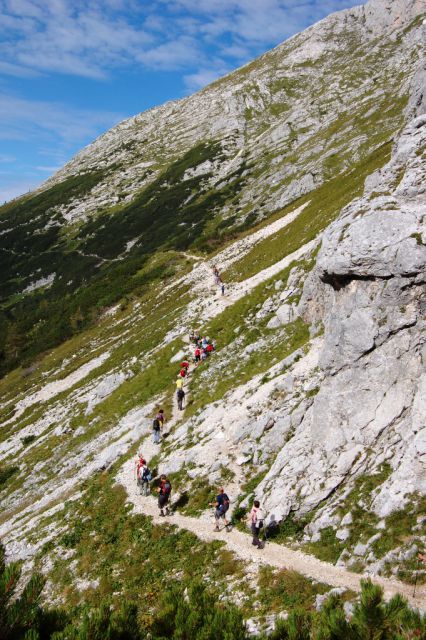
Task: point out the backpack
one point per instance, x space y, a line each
259 522
224 505
167 488
147 475
156 424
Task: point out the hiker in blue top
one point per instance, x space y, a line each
221 505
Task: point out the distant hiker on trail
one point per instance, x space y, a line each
180 394
197 355
194 336
164 491
210 348
139 462
182 373
185 365
161 417
156 429
222 288
222 506
179 383
256 522
144 478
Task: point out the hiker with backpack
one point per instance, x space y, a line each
221 505
156 431
164 491
180 394
161 417
256 524
139 462
144 478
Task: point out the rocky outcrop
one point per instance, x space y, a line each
368 290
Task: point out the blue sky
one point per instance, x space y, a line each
70 70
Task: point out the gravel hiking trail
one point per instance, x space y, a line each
275 555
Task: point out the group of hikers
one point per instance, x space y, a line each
203 347
221 504
144 478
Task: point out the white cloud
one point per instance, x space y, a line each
69 37
22 119
91 39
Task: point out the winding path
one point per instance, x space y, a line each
239 543
273 554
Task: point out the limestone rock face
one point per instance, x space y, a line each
369 291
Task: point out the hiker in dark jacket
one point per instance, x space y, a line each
180 394
161 417
156 428
221 505
164 491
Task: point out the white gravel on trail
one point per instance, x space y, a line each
273 554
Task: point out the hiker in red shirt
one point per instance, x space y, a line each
197 355
210 348
139 463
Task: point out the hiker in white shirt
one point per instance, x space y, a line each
256 522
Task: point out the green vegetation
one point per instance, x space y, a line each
364 521
328 547
402 529
194 612
285 589
418 238
372 618
19 610
6 473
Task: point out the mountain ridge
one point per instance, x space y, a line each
314 398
